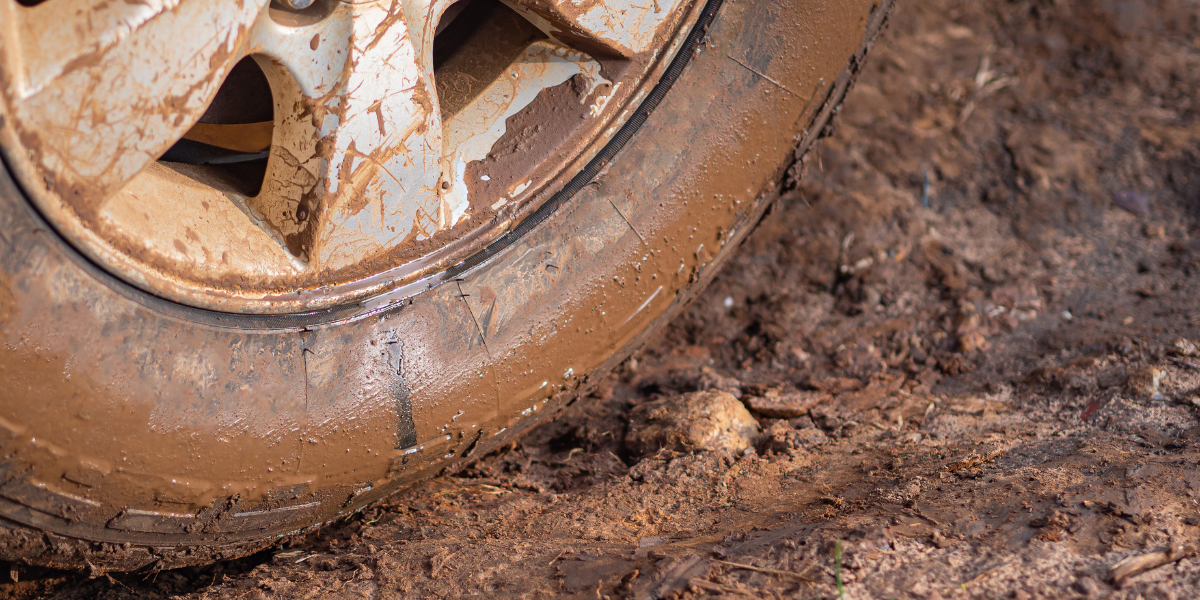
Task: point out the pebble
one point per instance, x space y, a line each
1143 383
710 420
1185 347
1134 202
972 341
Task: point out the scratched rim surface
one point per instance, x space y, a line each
290 161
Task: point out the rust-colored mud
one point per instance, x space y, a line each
134 421
974 286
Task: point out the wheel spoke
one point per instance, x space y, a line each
615 27
239 150
100 91
356 169
196 225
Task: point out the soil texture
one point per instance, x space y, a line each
967 341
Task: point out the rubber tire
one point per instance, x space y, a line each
137 432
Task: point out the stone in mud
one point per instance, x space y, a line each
1184 347
1143 383
711 420
970 341
1134 202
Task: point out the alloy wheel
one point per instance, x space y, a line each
282 158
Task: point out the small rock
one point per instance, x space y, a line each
972 341
710 420
1143 383
1185 347
1154 231
1134 202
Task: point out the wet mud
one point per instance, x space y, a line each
968 337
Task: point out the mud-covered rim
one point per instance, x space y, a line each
397 298
323 266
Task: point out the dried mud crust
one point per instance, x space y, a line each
964 324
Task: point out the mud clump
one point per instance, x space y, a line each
711 421
1144 383
780 437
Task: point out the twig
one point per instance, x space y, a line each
491 489
111 580
984 74
1190 365
766 570
932 521
1144 562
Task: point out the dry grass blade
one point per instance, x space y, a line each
795 576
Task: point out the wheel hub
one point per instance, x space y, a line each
279 158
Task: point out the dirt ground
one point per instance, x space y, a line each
973 319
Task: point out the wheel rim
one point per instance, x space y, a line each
274 159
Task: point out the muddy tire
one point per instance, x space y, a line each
139 431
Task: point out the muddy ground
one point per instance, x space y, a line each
973 319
